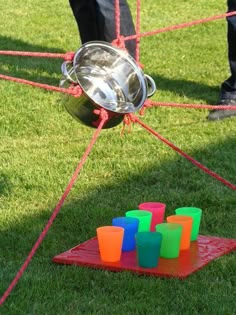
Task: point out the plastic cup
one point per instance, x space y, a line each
158 212
110 240
186 223
130 226
171 238
196 214
145 218
148 246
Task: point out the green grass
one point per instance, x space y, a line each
41 146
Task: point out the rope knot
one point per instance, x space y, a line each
119 42
75 90
147 103
102 113
128 121
69 56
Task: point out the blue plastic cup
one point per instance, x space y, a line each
130 226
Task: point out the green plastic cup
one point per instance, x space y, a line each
148 245
171 238
196 214
145 219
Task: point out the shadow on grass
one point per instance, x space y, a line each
30 68
185 88
79 219
40 70
176 183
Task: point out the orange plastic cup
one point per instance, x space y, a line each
110 239
187 223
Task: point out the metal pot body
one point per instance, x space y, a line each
82 109
110 79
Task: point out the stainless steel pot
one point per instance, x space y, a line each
110 78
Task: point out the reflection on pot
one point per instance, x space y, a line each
109 78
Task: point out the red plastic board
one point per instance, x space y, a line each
201 252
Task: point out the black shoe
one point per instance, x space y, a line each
218 114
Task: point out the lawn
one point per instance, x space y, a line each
41 146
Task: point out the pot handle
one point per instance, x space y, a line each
66 72
151 85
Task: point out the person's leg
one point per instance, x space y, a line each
85 14
228 87
96 21
106 22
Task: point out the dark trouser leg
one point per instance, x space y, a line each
107 29
228 88
85 14
96 21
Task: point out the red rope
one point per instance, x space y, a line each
198 106
104 118
138 22
72 90
117 18
119 40
67 56
150 103
175 148
179 26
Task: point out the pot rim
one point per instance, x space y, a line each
120 52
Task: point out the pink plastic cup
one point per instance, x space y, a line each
158 212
